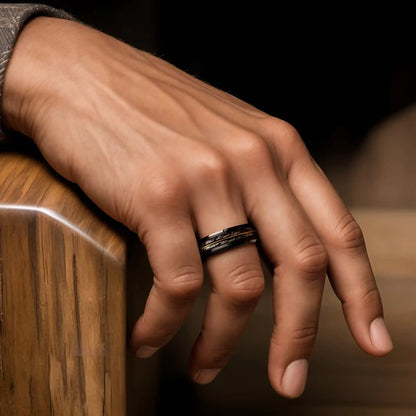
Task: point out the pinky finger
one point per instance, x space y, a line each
178 278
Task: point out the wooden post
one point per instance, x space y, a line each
62 297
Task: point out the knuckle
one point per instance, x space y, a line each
297 337
284 132
252 149
305 335
288 131
348 234
164 191
288 142
185 284
368 296
211 167
310 255
245 285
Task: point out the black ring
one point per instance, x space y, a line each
227 239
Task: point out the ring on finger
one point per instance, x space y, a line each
227 239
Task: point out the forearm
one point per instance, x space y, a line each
13 17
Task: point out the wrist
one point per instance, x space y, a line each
30 78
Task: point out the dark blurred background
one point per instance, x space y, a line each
333 72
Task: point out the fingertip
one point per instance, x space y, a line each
292 384
205 376
380 337
294 378
146 351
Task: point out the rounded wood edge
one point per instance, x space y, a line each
27 182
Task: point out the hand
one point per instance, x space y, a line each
170 156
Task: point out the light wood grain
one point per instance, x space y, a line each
62 297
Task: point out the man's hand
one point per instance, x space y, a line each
170 157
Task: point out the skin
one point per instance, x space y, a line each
170 156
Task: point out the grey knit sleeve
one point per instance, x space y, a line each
12 19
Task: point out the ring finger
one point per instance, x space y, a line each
237 283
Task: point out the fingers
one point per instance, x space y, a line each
178 277
237 283
300 261
305 230
349 270
236 277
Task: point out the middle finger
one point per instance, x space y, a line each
299 260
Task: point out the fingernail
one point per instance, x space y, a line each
206 376
294 378
146 351
379 335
